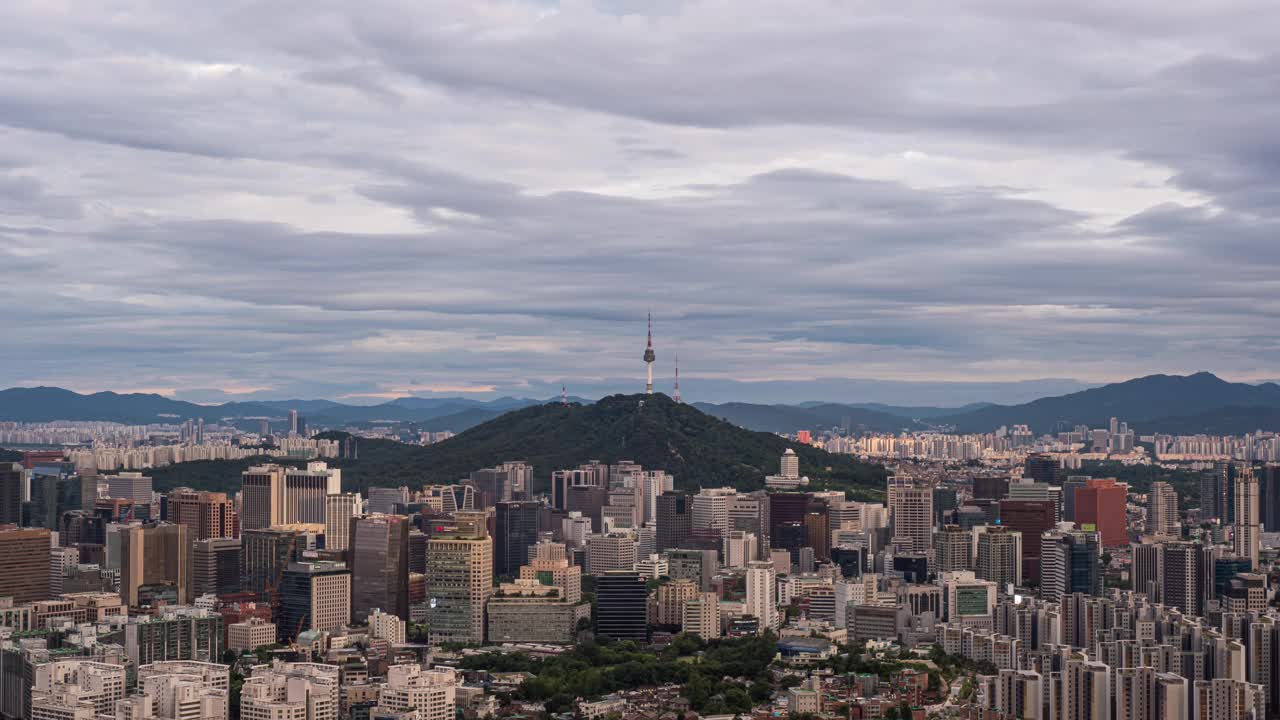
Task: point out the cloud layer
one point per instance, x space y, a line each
359 199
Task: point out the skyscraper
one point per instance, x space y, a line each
1211 502
305 492
264 555
459 579
313 596
206 514
261 497
215 566
515 530
675 520
622 607
911 507
1186 576
379 557
1041 468
12 479
1071 563
1247 535
154 564
24 564
711 510
1269 497
1101 503
1162 510
953 549
749 512
1031 518
998 555
339 509
761 600
1146 571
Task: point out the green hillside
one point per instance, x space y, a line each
699 450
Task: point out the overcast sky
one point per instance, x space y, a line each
363 200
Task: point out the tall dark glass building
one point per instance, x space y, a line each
622 602
11 477
675 520
1269 497
515 530
379 566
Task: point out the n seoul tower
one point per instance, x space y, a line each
649 357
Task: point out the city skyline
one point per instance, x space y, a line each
463 196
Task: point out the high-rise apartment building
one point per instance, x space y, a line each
379 556
1162 510
313 596
1086 690
459 580
1186 576
515 531
761 595
701 616
154 565
339 509
669 600
1247 535
1146 568
998 555
206 514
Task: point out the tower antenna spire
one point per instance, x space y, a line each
564 397
676 394
649 357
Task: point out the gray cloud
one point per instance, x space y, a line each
492 195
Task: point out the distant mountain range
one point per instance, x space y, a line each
653 430
1196 403
1155 403
44 404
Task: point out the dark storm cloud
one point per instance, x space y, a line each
493 194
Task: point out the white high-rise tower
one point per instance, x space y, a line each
649 357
